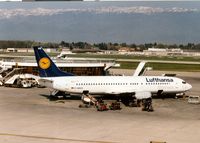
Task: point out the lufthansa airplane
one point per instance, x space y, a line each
141 87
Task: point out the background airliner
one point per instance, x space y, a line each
141 87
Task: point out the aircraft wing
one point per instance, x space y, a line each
140 69
143 95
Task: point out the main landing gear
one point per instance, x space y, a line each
132 101
147 105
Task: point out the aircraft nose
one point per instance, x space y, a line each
189 86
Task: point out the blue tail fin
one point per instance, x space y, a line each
47 67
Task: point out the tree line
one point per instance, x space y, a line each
101 46
25 44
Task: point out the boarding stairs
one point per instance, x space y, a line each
18 75
12 75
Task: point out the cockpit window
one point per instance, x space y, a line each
183 82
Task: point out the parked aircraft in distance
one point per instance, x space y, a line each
141 87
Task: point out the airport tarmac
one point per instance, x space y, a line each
26 115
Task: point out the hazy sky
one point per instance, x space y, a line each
132 22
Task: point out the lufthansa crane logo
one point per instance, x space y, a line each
44 63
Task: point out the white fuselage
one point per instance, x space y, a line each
117 84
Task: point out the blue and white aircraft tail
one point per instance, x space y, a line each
46 66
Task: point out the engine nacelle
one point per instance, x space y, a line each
142 95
